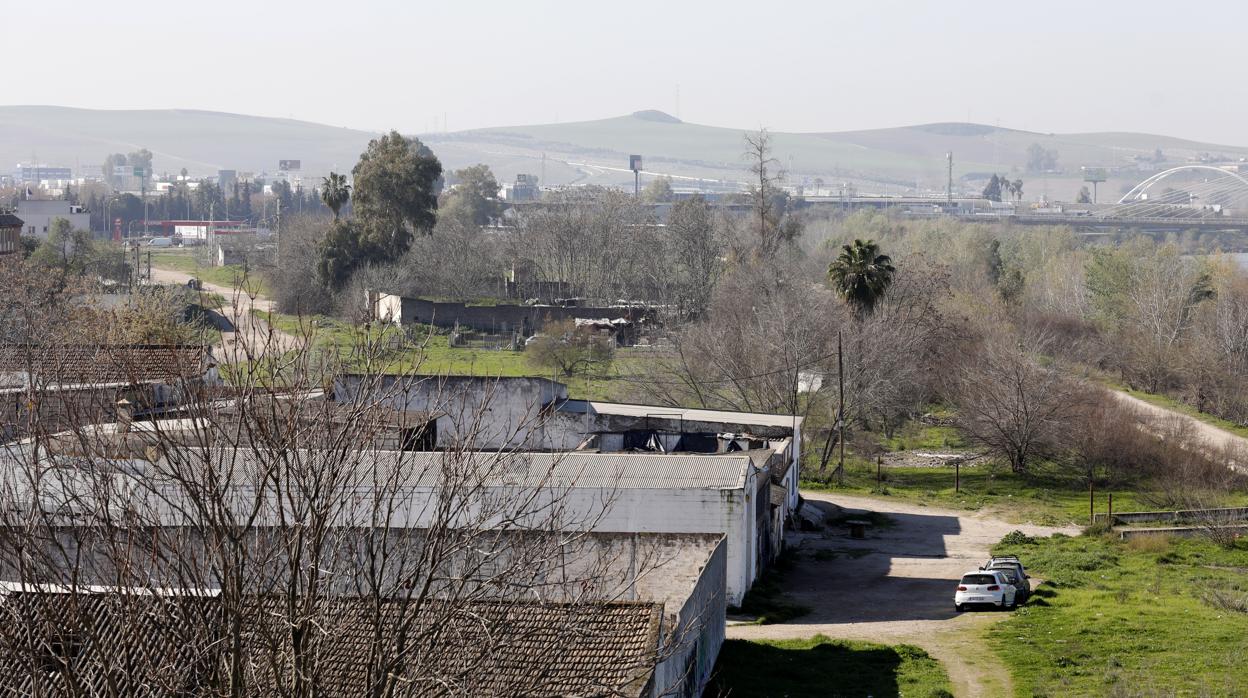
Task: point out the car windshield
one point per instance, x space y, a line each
979 579
1010 575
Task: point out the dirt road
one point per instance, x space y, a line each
1213 437
897 586
248 330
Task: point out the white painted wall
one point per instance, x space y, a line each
699 633
495 414
389 308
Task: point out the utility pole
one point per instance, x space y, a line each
277 232
949 185
840 411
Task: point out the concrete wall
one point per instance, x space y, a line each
1184 516
477 413
698 633
502 318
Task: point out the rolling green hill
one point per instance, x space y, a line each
201 141
890 159
899 159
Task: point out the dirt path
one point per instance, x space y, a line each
897 586
249 331
1213 437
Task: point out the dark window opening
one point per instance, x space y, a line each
59 652
422 438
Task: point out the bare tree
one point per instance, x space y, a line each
1014 406
772 228
272 527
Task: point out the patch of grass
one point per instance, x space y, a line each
821 667
194 262
432 353
916 436
1115 622
1048 497
766 601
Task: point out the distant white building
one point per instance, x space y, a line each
37 216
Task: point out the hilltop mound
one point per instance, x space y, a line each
656 115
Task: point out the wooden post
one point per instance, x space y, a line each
879 481
1109 519
957 477
1091 503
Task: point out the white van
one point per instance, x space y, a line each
160 242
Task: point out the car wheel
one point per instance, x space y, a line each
1013 604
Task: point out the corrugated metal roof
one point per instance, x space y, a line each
431 469
88 364
691 414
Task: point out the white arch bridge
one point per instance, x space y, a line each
1180 198
1218 187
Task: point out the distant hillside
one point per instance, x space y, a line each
200 141
880 160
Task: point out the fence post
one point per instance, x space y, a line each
957 477
879 460
1091 503
1109 519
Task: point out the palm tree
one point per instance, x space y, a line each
335 191
861 275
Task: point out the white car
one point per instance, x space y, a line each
984 587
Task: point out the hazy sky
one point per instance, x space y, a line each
1139 65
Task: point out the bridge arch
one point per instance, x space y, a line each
1139 189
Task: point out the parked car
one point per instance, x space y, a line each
1012 562
1015 579
984 588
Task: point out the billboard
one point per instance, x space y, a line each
191 232
634 163
288 165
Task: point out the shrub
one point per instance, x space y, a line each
1224 598
566 348
1017 538
1100 528
1158 543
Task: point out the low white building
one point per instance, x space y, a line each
37 216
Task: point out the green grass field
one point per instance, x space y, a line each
1049 496
1045 498
1128 619
434 355
823 667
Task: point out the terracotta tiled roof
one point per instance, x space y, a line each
165 651
167 645
131 363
